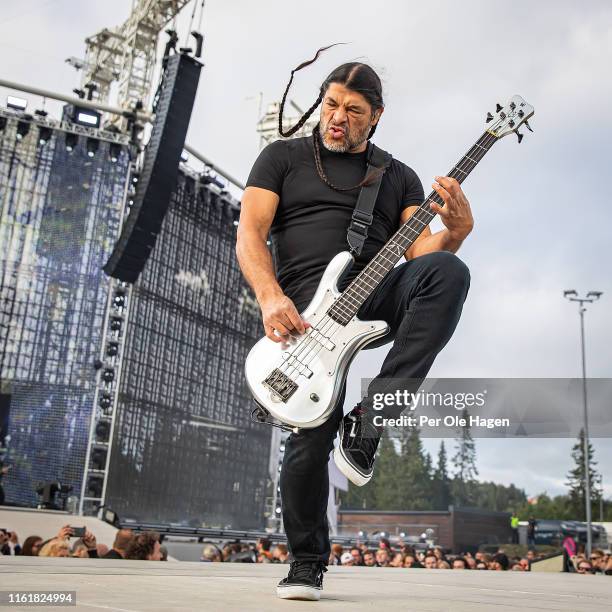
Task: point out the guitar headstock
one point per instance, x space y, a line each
508 119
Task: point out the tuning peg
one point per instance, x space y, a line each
498 107
519 136
528 126
489 117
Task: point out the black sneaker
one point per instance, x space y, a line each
305 581
356 451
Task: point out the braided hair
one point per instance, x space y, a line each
355 76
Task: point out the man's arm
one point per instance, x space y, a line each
455 214
279 313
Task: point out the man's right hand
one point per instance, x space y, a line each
279 313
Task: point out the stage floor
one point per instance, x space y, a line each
131 586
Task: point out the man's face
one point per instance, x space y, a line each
584 567
346 119
458 564
369 560
431 562
356 555
382 556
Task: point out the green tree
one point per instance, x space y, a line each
414 473
464 462
576 480
441 483
385 490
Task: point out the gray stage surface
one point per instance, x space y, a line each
155 585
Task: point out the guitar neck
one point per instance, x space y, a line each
347 305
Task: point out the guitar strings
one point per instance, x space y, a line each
310 343
330 327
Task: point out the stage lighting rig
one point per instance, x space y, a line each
23 127
92 146
16 103
71 141
44 135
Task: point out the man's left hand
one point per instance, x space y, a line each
456 213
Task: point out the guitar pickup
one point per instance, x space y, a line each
293 362
324 341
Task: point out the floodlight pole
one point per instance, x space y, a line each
591 296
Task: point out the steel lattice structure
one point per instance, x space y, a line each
60 212
127 54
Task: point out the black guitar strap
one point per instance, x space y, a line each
362 215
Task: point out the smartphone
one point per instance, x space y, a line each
78 532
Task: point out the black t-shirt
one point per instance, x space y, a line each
310 224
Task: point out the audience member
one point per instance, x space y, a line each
31 546
123 537
144 547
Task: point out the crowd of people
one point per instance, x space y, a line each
402 555
145 546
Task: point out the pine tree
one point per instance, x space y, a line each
464 462
576 480
414 481
441 482
385 490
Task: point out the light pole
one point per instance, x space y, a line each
591 296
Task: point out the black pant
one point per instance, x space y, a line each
421 300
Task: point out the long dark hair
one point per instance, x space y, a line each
355 76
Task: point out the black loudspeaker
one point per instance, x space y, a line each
160 169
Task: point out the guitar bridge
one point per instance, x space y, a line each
280 384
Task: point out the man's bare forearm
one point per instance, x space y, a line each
257 266
440 241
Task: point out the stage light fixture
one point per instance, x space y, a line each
105 401
108 375
112 349
16 103
71 141
114 150
102 431
111 517
84 116
98 459
44 135
23 127
119 300
115 324
92 146
94 486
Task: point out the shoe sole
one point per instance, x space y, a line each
302 592
356 477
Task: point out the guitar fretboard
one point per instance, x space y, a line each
348 304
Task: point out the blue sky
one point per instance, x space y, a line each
542 210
